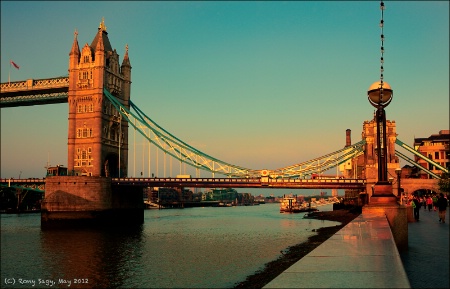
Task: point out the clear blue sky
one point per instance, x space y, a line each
256 84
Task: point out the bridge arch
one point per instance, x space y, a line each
413 185
110 166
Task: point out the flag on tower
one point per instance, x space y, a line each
14 64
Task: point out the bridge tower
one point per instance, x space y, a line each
97 143
97 135
370 151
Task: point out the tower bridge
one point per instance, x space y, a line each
100 113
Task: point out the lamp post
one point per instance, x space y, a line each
380 94
398 171
120 137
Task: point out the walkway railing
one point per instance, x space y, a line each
244 183
34 92
32 84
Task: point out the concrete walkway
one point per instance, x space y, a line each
363 254
426 261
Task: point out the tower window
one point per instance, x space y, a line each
85 132
84 157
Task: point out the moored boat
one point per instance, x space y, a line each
290 204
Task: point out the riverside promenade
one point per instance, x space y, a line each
426 261
363 254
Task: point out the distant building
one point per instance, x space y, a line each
435 147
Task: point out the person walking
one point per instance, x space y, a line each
434 198
429 203
442 207
416 205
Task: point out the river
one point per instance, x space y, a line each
193 247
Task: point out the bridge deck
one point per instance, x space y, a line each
217 183
34 92
244 183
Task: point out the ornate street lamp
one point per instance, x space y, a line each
380 94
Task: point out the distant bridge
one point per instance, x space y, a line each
28 184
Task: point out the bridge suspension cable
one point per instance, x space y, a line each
173 145
321 164
187 154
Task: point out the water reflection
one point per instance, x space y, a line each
195 248
91 257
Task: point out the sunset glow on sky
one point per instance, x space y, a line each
256 84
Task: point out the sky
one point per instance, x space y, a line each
262 85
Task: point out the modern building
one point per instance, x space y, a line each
435 147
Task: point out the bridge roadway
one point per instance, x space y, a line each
243 183
213 183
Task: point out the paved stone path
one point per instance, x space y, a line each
427 260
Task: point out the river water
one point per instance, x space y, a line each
193 247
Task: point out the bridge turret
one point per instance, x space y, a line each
99 71
74 59
126 72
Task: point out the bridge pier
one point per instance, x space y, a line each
71 201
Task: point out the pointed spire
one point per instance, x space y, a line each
75 48
101 36
100 46
126 59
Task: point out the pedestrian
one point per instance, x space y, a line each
442 207
434 198
416 204
429 203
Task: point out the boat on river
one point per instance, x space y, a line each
290 204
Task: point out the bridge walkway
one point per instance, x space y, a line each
363 254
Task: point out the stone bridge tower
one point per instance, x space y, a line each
366 166
370 170
98 136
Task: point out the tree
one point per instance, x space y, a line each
444 183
